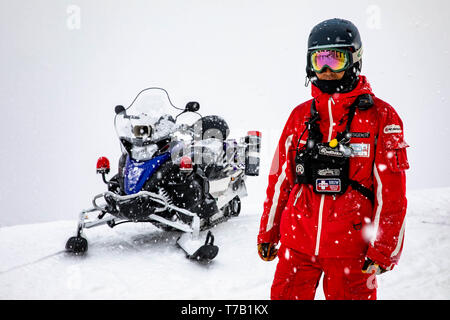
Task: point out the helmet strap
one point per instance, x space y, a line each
307 81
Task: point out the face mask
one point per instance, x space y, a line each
346 84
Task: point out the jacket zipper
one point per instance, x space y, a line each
299 193
330 114
322 199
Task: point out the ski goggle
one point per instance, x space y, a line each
336 60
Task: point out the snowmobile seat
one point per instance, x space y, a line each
212 127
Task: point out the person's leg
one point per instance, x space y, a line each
344 280
296 277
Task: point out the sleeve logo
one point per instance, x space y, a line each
392 128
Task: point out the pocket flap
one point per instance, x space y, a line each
396 155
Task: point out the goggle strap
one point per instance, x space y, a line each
357 55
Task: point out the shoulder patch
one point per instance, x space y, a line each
392 128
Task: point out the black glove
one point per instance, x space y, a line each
267 251
371 266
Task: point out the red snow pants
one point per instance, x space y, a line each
297 277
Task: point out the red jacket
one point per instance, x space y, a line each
346 225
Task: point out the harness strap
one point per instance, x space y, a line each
362 102
366 192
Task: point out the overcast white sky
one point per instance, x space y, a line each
66 64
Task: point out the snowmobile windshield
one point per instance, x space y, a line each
149 118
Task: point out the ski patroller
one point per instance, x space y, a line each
176 175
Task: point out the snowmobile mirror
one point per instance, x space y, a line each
119 109
192 106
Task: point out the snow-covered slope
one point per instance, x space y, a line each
137 261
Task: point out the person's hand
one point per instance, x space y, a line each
372 267
267 251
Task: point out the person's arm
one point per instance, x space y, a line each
390 191
281 181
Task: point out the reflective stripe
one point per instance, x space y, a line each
376 221
319 225
278 185
401 236
322 199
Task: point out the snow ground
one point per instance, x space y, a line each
137 261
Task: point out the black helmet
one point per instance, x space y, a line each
336 33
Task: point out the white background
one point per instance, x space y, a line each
62 76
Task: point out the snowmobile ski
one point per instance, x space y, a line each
205 253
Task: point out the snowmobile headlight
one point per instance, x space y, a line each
143 153
142 131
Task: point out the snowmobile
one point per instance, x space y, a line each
183 176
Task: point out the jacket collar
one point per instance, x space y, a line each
346 99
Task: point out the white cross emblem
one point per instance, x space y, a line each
323 184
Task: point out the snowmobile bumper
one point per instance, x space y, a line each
78 243
151 215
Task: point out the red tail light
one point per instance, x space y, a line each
103 165
186 164
254 133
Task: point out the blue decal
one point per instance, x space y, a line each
136 173
328 185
